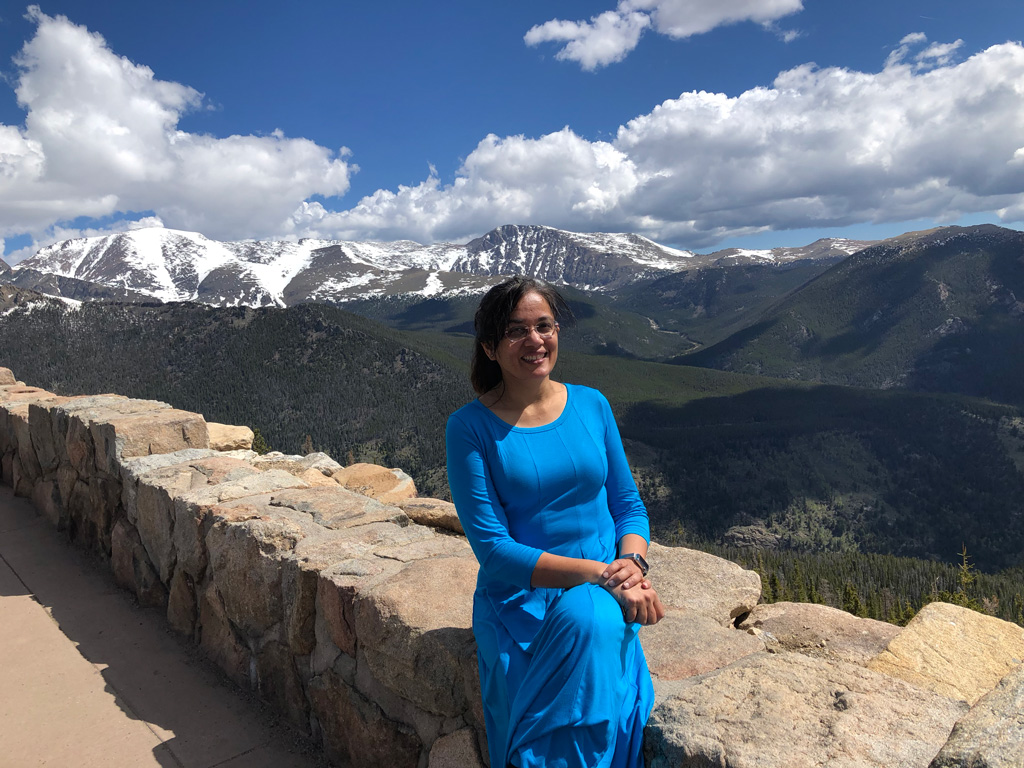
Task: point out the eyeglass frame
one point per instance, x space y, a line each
530 329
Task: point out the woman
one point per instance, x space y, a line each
544 493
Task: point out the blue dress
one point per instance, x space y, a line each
563 677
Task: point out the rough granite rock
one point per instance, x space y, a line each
245 564
227 437
218 639
7 377
991 735
296 464
456 750
954 651
819 630
132 567
336 507
140 434
355 730
684 644
789 710
702 583
414 627
432 512
192 511
389 485
337 591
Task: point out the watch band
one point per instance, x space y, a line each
638 559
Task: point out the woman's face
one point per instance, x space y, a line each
533 357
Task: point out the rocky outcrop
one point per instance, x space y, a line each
818 630
788 710
345 601
992 733
954 651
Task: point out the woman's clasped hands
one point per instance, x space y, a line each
634 593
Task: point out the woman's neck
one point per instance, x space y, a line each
527 406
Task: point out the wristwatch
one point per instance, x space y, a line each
638 559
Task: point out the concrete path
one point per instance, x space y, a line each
88 679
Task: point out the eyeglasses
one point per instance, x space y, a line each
544 329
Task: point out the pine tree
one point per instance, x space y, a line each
851 600
259 443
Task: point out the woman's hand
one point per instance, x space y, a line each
640 605
623 571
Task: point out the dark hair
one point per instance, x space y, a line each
491 322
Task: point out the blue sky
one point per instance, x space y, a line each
699 123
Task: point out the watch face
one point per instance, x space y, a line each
639 560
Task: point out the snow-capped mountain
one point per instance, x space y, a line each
171 265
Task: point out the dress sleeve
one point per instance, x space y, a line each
482 516
628 511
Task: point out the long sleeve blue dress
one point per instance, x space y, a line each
563 677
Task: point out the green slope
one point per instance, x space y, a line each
935 311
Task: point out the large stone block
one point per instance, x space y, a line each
132 567
456 750
954 651
433 512
335 507
415 627
246 566
279 683
820 630
991 735
140 434
337 591
789 710
684 644
702 583
355 730
41 432
226 437
218 638
182 604
7 377
388 485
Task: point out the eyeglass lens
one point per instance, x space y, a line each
520 332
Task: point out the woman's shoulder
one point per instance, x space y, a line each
584 394
587 400
469 413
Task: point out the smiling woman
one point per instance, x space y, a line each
541 484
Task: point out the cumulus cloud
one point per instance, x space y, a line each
610 36
819 147
101 137
504 180
604 40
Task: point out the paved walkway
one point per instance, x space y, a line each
88 679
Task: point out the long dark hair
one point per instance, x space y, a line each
491 322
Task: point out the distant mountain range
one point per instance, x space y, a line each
169 265
941 310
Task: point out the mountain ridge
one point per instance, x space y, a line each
939 310
173 265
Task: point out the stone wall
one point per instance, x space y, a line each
345 602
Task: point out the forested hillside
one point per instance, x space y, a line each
356 388
941 311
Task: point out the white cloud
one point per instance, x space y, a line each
610 36
684 18
101 137
558 177
604 40
819 147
